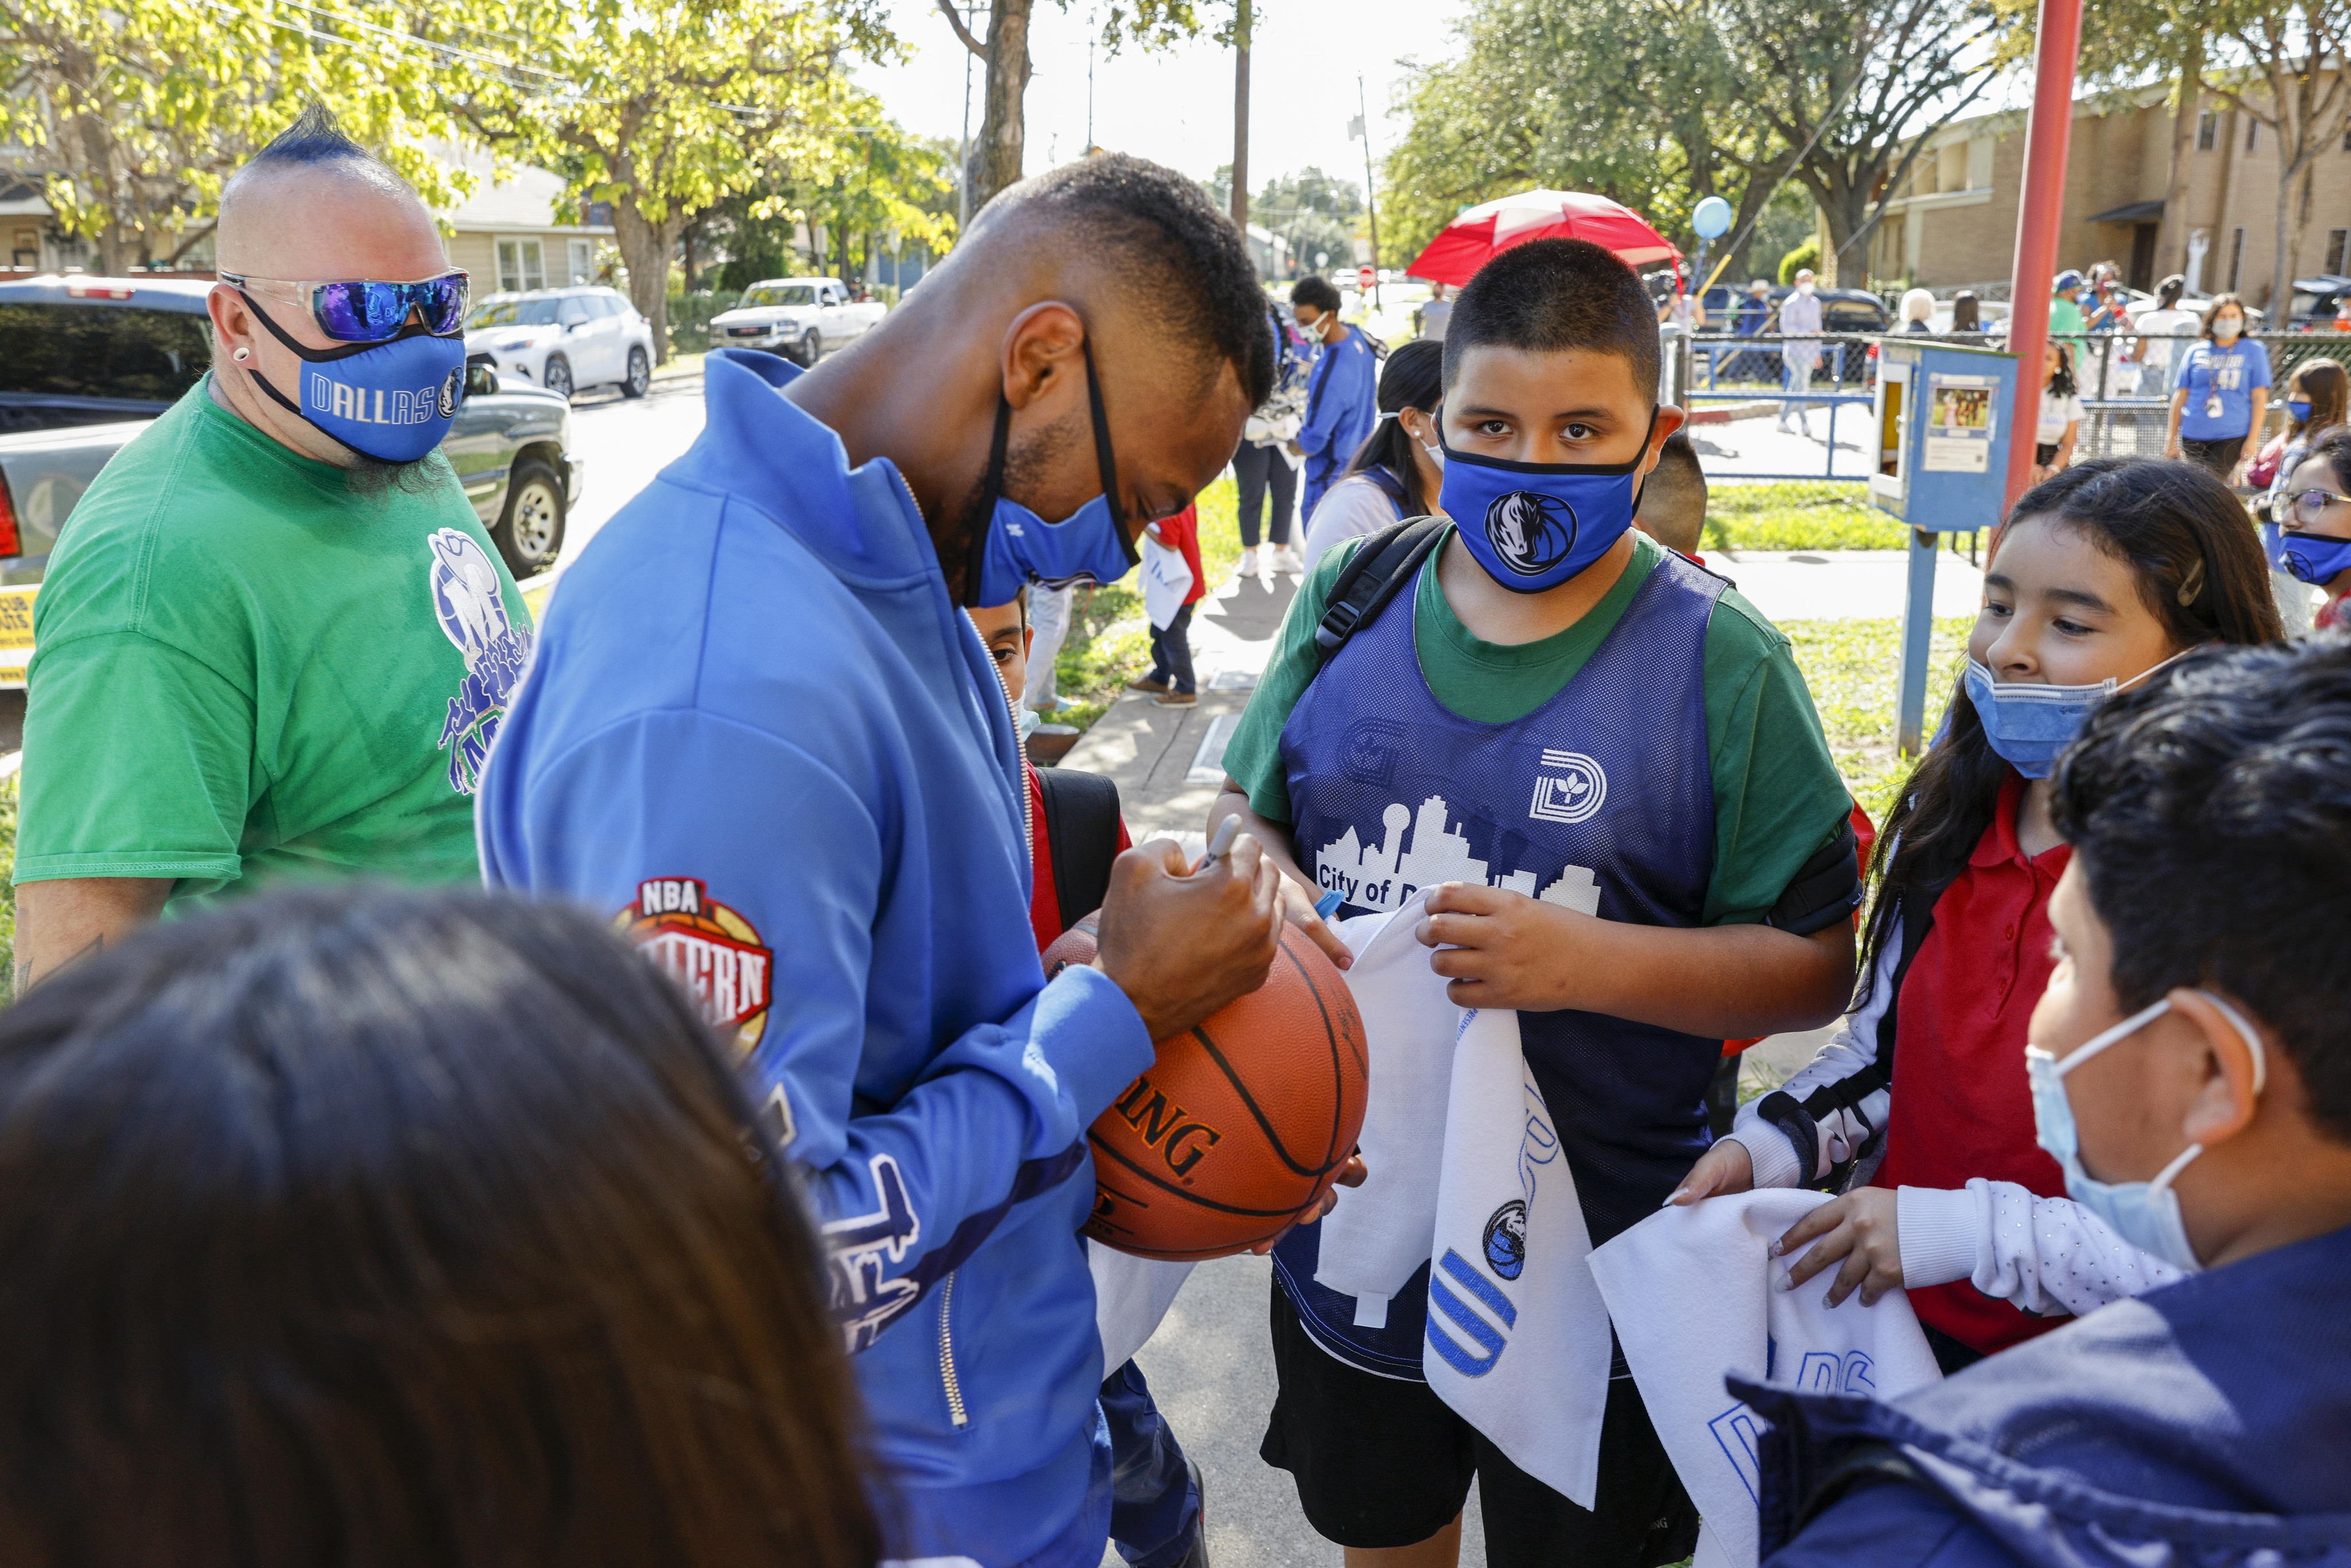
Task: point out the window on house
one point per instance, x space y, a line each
2337 242
2236 257
2207 131
2252 133
520 265
2347 139
583 261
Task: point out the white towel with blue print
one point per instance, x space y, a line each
1130 1296
1518 1334
1381 1231
1166 579
1697 1296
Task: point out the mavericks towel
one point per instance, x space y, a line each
1696 1295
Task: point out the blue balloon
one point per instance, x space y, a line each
1711 218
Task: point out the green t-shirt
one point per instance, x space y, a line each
245 668
2066 320
1777 796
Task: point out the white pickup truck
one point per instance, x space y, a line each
797 316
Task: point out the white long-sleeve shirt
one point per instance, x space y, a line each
2046 1255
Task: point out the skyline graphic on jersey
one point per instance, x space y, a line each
1383 876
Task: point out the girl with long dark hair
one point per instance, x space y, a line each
1395 473
2104 574
403 1228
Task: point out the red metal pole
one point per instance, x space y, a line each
2057 43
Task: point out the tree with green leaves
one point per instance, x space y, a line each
664 106
134 111
1311 211
2280 64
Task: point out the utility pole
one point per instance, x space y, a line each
1371 207
1089 84
1240 114
963 160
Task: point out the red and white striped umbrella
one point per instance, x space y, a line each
1469 241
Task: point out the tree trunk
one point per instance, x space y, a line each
2172 237
1240 114
996 157
646 248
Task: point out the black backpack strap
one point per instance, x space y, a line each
1800 1120
1381 566
1081 836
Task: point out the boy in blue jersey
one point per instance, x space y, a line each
760 735
1342 394
1607 764
2191 1075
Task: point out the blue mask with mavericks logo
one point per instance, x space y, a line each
390 400
1012 546
1532 526
2307 558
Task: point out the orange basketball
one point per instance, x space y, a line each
1239 1127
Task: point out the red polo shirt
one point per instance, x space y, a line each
1961 1107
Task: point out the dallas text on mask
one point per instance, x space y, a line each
340 399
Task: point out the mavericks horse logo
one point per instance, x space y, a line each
1530 531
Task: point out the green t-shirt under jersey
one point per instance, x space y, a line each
1777 796
244 668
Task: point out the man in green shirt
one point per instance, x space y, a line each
2066 322
273 638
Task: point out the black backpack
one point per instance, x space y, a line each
1081 828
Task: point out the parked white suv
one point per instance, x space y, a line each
563 340
797 316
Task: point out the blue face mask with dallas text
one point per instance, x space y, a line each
392 401
1012 546
1532 526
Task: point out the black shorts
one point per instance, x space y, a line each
1382 1462
2218 457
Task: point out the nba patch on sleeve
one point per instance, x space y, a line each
708 948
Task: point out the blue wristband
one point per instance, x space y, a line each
1328 904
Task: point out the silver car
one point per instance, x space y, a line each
87 362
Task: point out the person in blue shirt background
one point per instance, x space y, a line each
761 738
1341 395
2191 1076
2220 392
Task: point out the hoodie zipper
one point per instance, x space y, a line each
954 1384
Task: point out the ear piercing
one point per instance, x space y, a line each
242 355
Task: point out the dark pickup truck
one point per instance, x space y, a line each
85 363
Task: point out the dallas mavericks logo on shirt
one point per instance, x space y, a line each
374 405
471 606
1532 532
1506 1239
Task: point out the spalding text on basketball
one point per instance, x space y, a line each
1181 1142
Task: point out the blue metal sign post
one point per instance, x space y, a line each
1943 417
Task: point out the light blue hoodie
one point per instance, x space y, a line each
759 733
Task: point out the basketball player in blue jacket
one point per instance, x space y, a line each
761 736
1606 764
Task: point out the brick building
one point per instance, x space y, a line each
1954 223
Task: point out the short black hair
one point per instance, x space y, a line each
434 1220
1672 498
1183 260
2210 810
1317 292
1552 294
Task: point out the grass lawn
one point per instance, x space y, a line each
1795 515
1851 667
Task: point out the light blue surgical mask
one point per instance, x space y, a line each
391 400
1024 720
1532 526
1012 546
2029 723
2146 1213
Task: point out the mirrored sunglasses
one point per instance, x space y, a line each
369 310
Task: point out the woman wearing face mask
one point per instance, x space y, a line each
2309 535
2219 392
2105 573
1395 473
